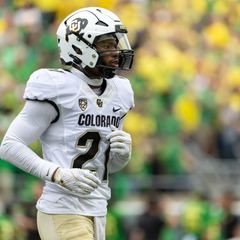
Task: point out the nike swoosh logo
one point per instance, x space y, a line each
116 109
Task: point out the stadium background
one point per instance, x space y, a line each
183 179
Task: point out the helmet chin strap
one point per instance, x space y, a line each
104 72
107 72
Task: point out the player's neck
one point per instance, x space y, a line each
94 83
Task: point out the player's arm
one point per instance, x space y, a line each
120 149
121 141
27 127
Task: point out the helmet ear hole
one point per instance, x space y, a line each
75 59
77 50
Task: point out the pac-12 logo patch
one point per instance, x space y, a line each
82 103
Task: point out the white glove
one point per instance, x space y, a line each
79 181
120 142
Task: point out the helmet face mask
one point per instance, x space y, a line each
79 33
122 49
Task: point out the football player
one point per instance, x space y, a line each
77 112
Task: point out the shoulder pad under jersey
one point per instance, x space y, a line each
40 86
125 91
52 84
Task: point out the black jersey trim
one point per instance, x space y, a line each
50 102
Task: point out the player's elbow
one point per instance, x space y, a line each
6 147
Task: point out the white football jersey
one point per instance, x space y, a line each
77 137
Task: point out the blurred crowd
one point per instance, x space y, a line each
186 79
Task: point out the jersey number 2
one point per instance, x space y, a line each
90 141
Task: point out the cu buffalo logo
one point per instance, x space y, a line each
76 26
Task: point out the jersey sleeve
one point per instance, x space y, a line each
54 85
125 93
40 86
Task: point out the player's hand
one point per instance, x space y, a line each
79 181
120 142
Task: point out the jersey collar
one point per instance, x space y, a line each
92 82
